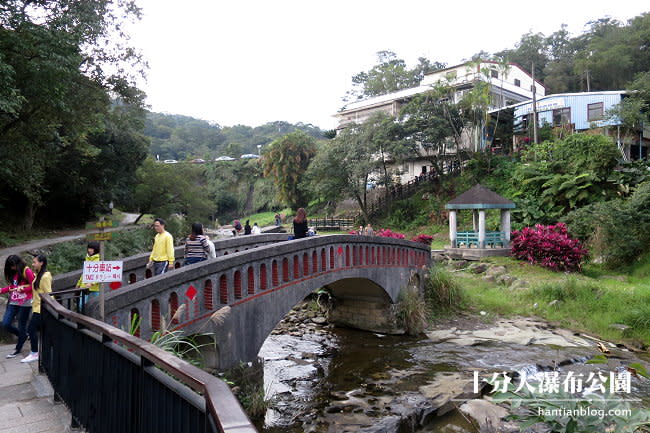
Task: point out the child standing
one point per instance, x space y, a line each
41 286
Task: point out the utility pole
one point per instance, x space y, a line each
534 104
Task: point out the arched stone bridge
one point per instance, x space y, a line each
262 283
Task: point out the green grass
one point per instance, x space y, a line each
589 302
266 218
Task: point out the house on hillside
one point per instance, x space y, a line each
507 86
567 113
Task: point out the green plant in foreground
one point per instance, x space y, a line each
441 291
412 312
565 412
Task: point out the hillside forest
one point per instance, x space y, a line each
75 133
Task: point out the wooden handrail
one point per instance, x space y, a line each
220 402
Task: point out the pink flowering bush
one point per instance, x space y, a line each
423 239
353 232
388 233
548 246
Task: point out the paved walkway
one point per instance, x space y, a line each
26 404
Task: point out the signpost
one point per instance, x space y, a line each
102 272
95 275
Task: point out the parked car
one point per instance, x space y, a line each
170 161
224 158
249 156
198 161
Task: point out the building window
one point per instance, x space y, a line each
517 82
562 116
494 73
595 111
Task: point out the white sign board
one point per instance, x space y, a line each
552 104
102 272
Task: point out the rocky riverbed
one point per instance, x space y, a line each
325 379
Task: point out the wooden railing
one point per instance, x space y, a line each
402 191
331 223
471 238
114 382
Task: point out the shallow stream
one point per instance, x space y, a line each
326 379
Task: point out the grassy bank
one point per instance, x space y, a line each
590 302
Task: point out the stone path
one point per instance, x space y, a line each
26 398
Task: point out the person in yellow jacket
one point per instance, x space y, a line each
92 255
41 285
162 254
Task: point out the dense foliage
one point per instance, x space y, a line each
548 246
617 231
285 162
184 138
65 145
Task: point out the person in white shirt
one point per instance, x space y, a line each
256 230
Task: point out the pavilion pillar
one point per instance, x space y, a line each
475 220
481 228
505 227
452 228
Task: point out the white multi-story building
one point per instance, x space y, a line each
507 85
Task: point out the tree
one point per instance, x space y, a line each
56 90
165 189
286 160
389 75
342 168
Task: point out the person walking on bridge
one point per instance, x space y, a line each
162 254
197 248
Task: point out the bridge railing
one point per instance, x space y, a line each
115 382
134 267
205 287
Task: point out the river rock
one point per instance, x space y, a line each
319 320
506 279
520 285
495 271
478 268
487 415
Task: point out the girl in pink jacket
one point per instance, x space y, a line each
20 279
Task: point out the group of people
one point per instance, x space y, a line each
198 247
368 231
248 229
25 289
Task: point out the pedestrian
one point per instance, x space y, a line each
213 252
162 254
247 228
92 255
300 224
369 230
256 230
197 248
237 225
360 231
20 279
278 220
41 286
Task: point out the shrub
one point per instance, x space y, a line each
388 233
441 291
412 312
422 239
548 246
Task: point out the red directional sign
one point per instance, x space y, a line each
191 292
101 272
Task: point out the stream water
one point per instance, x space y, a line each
343 380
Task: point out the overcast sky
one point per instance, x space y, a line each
257 61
